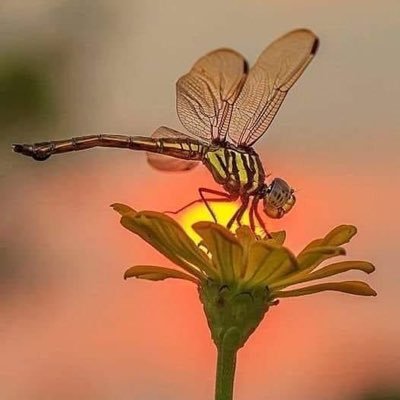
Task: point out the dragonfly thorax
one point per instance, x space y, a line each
240 171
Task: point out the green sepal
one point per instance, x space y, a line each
227 307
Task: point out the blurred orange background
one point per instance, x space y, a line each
70 326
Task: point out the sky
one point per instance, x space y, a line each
70 326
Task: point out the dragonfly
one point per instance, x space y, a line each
226 108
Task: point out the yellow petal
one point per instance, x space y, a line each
168 237
267 262
245 235
258 253
329 270
351 287
285 268
340 235
313 243
123 209
337 268
155 273
278 237
311 258
336 237
226 251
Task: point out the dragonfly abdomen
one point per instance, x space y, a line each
184 148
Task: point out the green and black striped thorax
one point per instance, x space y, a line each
239 170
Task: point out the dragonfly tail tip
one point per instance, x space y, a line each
17 147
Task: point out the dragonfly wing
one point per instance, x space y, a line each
205 96
276 70
167 163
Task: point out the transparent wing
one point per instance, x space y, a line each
167 163
276 70
170 164
205 96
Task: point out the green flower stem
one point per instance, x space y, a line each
233 314
226 365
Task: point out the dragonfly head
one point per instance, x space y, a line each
278 198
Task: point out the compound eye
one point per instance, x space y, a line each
273 212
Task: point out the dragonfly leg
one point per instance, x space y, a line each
260 220
225 197
237 216
191 203
251 215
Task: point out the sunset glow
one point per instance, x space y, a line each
199 212
71 326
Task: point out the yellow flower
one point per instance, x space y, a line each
239 276
241 260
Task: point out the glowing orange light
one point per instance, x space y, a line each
199 212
